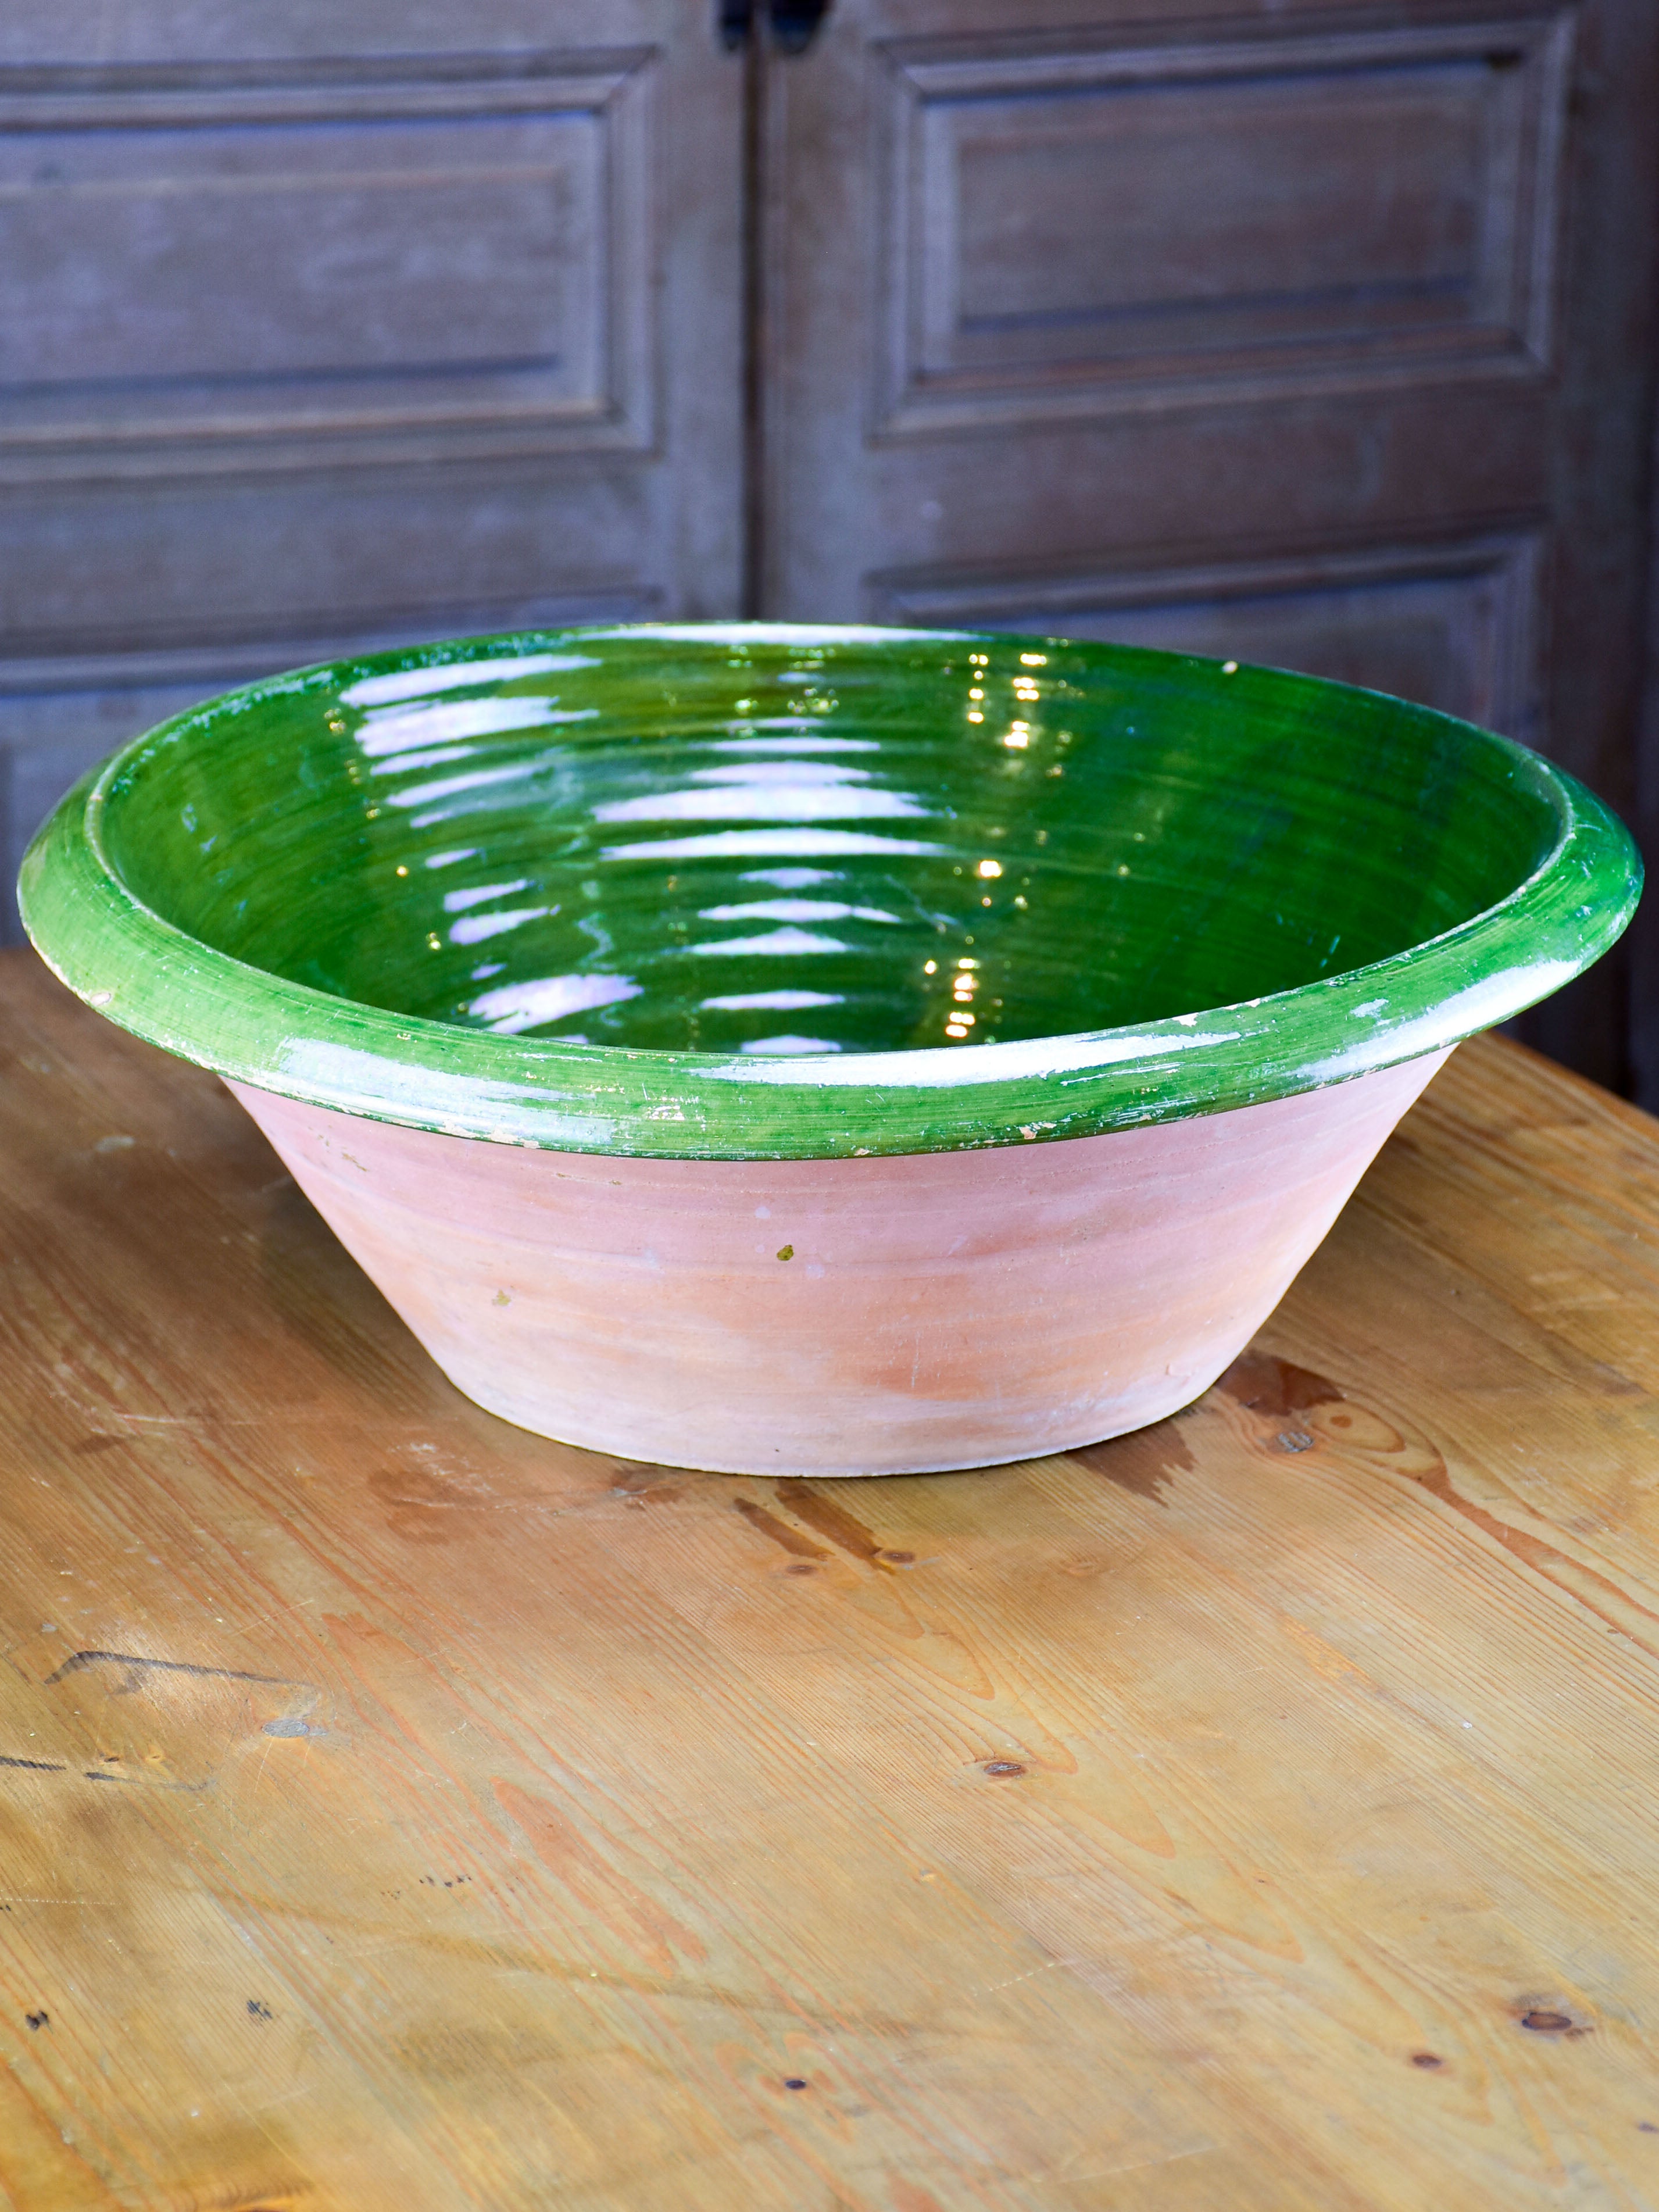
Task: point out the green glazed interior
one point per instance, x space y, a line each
729 891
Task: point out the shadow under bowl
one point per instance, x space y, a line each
822 1051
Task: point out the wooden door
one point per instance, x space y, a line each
1317 336
333 321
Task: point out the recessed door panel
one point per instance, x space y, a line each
1098 226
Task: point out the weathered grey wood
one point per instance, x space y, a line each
1317 336
328 325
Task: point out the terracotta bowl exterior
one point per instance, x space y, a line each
815 1051
833 1317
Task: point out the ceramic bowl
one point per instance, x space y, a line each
829 1051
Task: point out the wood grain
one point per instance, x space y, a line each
401 1811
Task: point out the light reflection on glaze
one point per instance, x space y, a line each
474 928
734 844
775 1001
459 676
785 1046
1481 1006
1043 1058
786 909
457 901
387 738
518 1006
802 798
452 786
819 741
771 943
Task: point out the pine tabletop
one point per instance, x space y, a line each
401 1812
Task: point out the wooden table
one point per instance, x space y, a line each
402 1814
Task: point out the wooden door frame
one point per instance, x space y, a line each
1644 940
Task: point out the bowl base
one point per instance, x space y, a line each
1047 1445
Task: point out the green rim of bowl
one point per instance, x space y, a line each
259 1028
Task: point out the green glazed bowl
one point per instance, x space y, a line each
747 894
706 892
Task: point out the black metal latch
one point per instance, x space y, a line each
794 23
